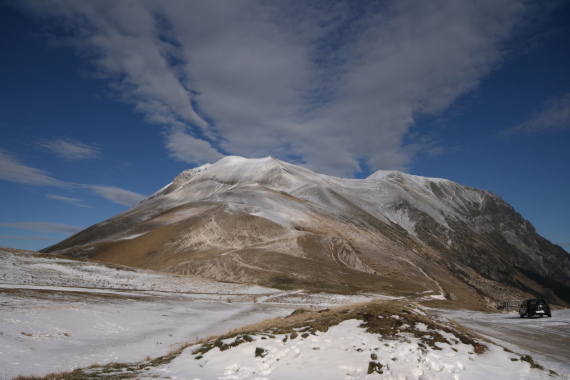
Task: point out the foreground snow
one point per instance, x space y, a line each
39 336
58 314
55 315
346 351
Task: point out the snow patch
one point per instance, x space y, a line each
346 351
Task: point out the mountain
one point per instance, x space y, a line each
272 223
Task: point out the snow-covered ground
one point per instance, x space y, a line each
58 314
23 268
346 351
547 340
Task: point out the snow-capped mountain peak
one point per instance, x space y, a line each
255 220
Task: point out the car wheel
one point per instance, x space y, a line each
521 315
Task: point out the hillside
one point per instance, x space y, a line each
271 223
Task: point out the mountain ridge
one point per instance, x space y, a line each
274 223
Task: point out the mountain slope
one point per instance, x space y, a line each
272 223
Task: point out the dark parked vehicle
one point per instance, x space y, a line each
534 307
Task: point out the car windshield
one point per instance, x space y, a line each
535 302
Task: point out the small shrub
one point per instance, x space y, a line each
299 312
530 360
260 352
281 282
374 366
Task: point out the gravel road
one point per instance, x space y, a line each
547 340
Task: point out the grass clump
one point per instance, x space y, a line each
107 372
222 345
375 367
392 320
530 360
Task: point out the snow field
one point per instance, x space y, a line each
345 351
41 336
54 316
43 270
58 314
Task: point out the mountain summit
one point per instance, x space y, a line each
269 222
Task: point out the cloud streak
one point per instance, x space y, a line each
117 195
72 201
44 227
331 84
12 170
554 116
28 238
70 149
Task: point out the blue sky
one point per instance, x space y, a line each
105 102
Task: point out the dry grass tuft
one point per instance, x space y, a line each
530 360
77 374
392 320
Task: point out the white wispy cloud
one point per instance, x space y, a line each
62 198
330 83
70 149
554 115
44 227
28 238
73 201
12 170
117 195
